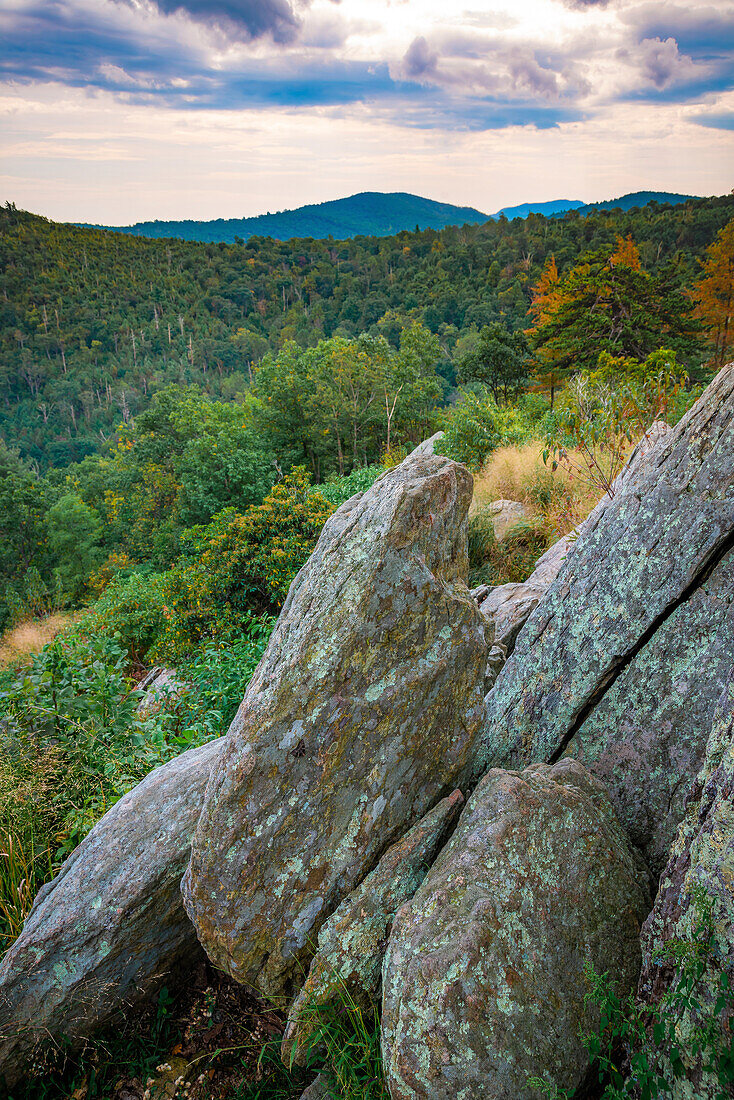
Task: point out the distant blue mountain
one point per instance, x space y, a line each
371 214
558 206
637 198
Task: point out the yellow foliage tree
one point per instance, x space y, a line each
547 297
714 294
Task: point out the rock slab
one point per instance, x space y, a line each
352 942
111 925
646 738
699 875
483 980
643 553
362 713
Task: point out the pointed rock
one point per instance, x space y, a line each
362 713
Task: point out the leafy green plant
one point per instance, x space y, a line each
338 489
605 410
73 740
470 430
132 611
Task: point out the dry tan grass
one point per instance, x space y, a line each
519 473
32 636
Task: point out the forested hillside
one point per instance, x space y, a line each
93 323
371 213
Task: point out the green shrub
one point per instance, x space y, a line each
470 431
73 741
237 565
338 489
132 610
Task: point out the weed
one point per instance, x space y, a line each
344 1043
506 562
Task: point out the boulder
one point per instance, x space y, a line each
646 737
505 515
698 878
362 713
642 555
483 980
111 926
352 943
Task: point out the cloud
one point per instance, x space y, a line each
702 32
419 60
586 5
661 62
249 19
463 72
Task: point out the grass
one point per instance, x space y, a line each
214 1041
21 641
345 1037
561 499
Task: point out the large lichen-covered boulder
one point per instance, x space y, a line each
646 738
362 713
695 899
111 926
643 554
351 944
483 981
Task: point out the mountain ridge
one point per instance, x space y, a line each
367 213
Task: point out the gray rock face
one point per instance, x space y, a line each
353 940
701 863
483 983
645 552
111 925
646 738
362 713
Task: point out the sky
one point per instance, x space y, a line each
116 111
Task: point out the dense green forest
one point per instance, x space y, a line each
93 323
180 420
